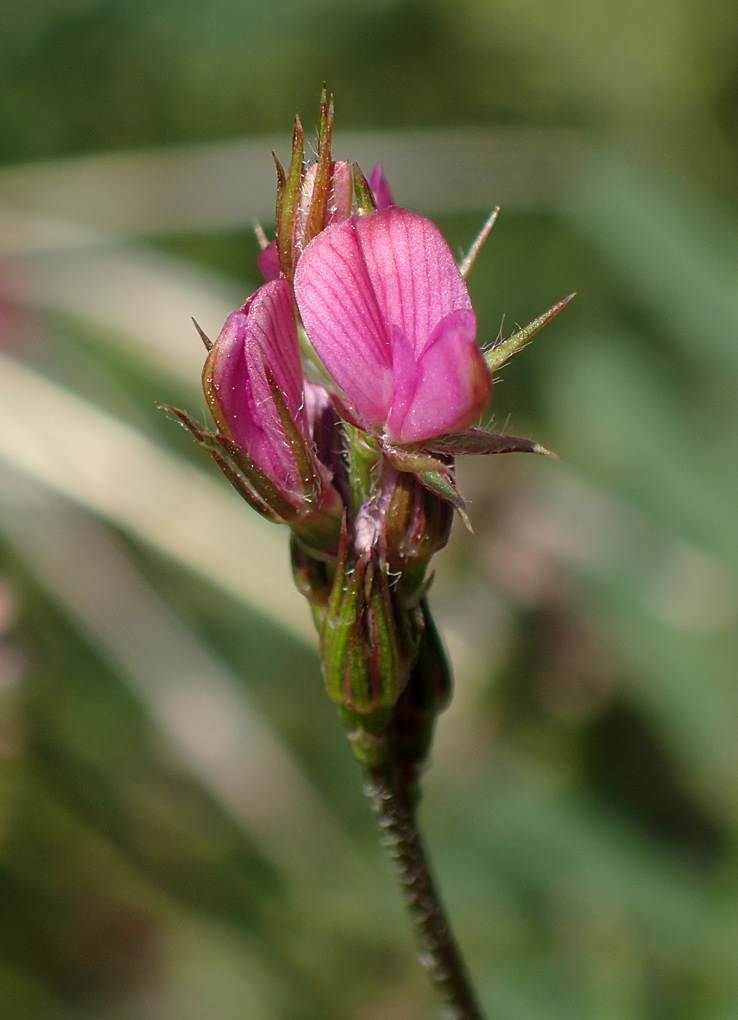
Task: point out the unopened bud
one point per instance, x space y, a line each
427 693
417 525
361 640
309 198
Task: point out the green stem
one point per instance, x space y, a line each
439 954
363 457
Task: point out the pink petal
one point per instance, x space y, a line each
343 320
452 384
268 262
412 272
261 335
359 282
380 187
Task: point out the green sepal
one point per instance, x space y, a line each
472 255
413 460
212 442
209 344
281 182
321 185
364 196
287 203
303 455
259 481
431 471
313 578
417 525
501 352
477 441
441 483
363 663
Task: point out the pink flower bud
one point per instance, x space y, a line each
254 385
388 313
261 335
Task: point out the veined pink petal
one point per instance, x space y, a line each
389 315
343 320
262 335
412 272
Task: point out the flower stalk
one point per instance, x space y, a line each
437 947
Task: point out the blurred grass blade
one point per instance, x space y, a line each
140 301
191 695
674 249
110 468
224 185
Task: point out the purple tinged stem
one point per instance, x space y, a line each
392 801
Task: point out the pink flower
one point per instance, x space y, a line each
388 313
256 356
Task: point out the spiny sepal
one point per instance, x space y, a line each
321 186
478 441
443 485
364 195
472 255
500 352
302 454
220 449
287 199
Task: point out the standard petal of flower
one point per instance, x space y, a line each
261 336
372 293
452 384
343 320
412 272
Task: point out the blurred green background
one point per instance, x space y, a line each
182 829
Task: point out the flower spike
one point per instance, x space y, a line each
342 391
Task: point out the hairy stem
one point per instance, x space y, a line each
439 954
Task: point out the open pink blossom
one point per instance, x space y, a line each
388 313
259 339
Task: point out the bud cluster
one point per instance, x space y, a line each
351 443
